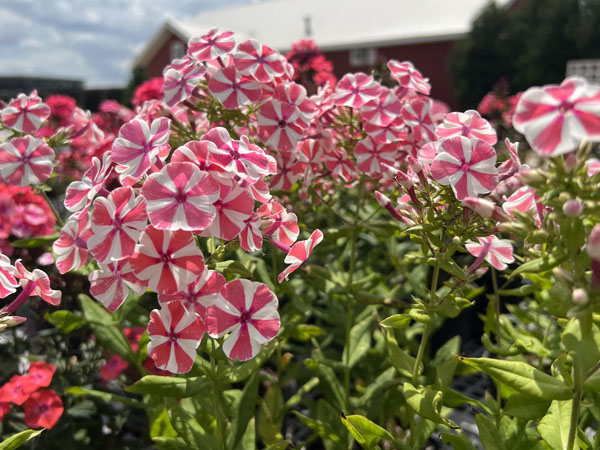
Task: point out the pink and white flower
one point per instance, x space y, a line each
117 223
139 145
251 235
111 284
167 261
8 283
370 155
469 166
180 79
355 89
25 160
181 197
81 193
469 124
409 77
258 60
246 310
279 125
25 113
299 253
37 283
382 110
234 207
212 45
71 246
417 115
555 118
281 225
175 334
233 89
199 294
497 252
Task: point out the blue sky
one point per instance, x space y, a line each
90 40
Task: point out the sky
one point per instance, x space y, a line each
90 40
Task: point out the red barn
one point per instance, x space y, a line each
353 34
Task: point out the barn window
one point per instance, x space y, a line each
587 68
363 57
177 50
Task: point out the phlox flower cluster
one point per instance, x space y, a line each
42 406
182 177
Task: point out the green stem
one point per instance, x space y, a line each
498 339
216 400
421 352
59 220
574 417
349 301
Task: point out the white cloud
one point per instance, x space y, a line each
91 40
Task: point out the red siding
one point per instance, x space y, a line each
431 59
161 58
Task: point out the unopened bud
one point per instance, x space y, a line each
562 275
580 297
538 237
483 207
531 176
12 321
512 227
456 240
404 180
414 164
570 162
593 245
572 208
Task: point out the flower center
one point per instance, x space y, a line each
180 197
565 107
282 123
165 259
245 317
465 168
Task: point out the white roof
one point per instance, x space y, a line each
337 24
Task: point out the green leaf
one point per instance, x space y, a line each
427 403
281 445
108 397
539 265
554 427
106 328
401 360
526 407
321 428
328 382
35 242
243 411
444 373
160 425
169 386
366 433
359 342
168 443
64 321
522 377
579 338
243 371
396 321
18 439
188 428
458 441
489 434
449 266
232 267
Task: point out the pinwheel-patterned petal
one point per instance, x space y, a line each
299 253
25 160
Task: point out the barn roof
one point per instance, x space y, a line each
333 24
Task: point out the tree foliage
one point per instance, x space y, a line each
526 46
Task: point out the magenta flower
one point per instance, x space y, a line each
117 223
233 89
468 124
469 166
355 89
111 284
167 261
25 113
246 310
409 77
25 160
212 45
175 334
554 118
261 62
299 253
139 146
181 197
497 252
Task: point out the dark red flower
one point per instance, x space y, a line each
41 373
18 389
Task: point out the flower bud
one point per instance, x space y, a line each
593 245
483 207
570 162
562 275
572 208
580 297
12 321
531 176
